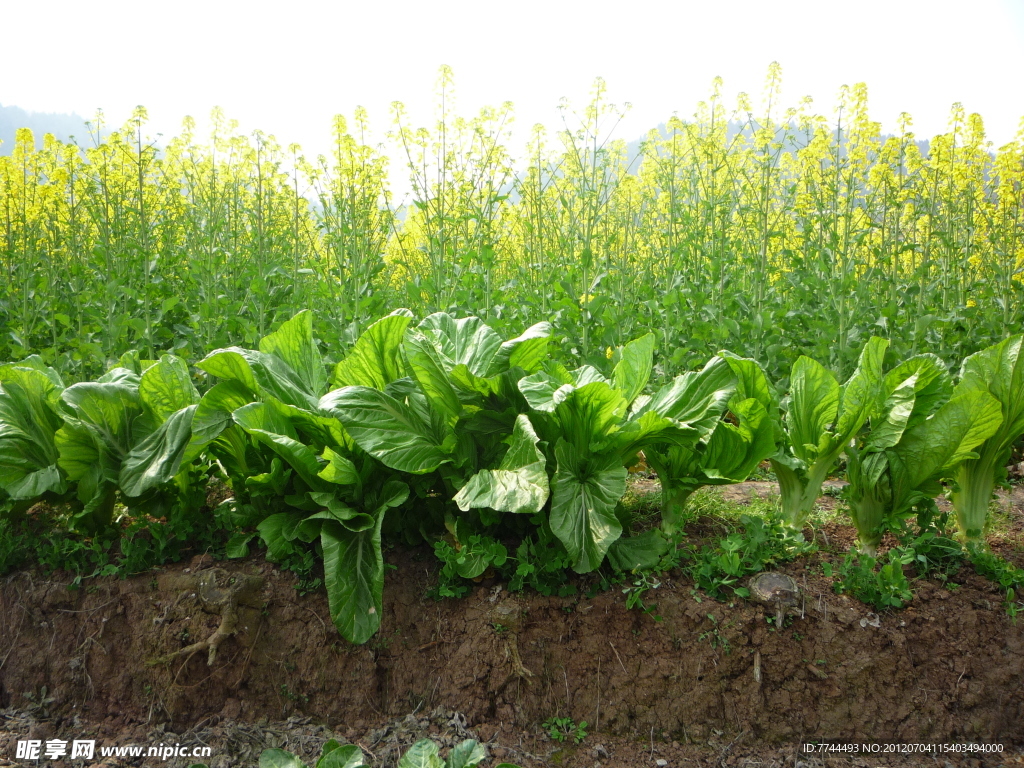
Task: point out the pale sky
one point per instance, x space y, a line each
286 67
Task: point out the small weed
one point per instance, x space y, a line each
1013 605
787 621
644 583
465 561
996 569
542 563
562 728
1005 574
293 697
39 704
764 542
886 587
715 637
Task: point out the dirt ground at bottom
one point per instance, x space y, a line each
692 682
237 744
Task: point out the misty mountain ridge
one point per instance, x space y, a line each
68 127
65 127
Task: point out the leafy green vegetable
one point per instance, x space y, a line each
887 482
29 420
596 436
999 371
821 419
731 451
519 484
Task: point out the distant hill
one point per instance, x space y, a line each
788 144
62 125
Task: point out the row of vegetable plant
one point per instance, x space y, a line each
442 428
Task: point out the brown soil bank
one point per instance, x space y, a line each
948 668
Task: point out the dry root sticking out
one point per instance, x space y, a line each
219 593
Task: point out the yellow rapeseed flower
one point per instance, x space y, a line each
608 353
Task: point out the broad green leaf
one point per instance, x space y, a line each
261 373
751 382
431 371
213 415
527 351
650 428
231 364
118 375
584 494
813 406
467 754
590 414
697 399
468 341
28 425
80 454
293 343
863 391
933 385
478 554
315 427
269 425
634 368
735 450
32 484
894 417
35 362
354 575
106 412
423 754
467 381
950 436
158 458
345 756
545 389
520 484
638 553
278 531
238 545
134 362
586 374
339 469
278 758
871 494
393 493
387 429
336 511
999 369
376 360
166 387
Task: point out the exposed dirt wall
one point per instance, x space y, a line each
949 667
